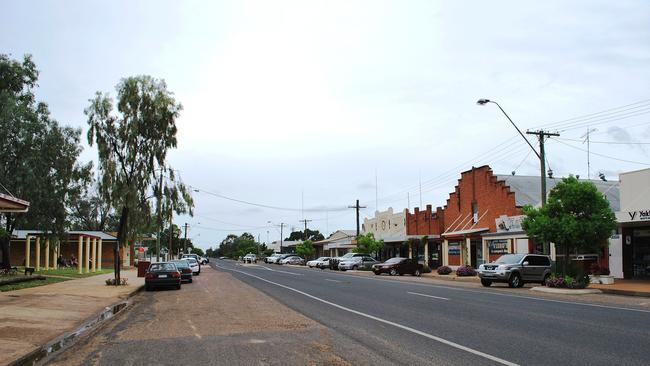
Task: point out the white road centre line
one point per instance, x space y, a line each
425 295
331 280
397 325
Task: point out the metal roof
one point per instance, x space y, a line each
22 234
527 189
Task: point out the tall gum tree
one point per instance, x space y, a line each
38 156
132 145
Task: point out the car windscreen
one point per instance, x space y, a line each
181 264
162 267
509 259
191 260
323 258
395 260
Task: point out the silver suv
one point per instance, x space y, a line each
516 269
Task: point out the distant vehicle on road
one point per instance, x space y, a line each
162 274
398 266
204 260
222 258
293 259
183 266
516 269
250 258
321 263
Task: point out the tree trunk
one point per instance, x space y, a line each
566 259
6 241
121 238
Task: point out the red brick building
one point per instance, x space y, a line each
482 217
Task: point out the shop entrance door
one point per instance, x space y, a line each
477 253
641 253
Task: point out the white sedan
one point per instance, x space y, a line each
321 262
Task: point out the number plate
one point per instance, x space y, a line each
162 276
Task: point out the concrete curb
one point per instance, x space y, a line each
67 339
625 292
566 291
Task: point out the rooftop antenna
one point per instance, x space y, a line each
586 139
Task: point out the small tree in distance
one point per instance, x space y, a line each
577 218
366 244
305 249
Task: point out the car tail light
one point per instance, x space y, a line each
187 270
176 274
150 275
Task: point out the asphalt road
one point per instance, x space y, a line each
417 322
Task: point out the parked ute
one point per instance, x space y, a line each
355 263
250 258
516 269
399 266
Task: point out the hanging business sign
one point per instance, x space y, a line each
509 223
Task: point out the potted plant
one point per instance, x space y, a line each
605 277
594 273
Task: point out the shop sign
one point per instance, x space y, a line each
509 223
499 246
454 249
641 215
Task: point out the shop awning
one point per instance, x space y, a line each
465 232
12 204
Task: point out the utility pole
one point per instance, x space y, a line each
304 233
281 228
171 231
185 240
357 207
542 158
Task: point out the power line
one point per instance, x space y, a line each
602 155
268 206
606 142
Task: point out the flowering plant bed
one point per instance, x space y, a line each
444 270
566 281
465 271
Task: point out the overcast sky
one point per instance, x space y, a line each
308 104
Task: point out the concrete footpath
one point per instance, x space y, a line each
33 317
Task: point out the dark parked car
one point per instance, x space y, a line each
398 266
163 274
516 269
184 267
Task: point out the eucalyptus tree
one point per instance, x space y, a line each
133 143
38 157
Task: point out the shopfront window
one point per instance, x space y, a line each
641 253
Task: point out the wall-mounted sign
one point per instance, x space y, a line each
641 215
499 246
454 249
509 223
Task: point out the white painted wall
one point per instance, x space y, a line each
386 225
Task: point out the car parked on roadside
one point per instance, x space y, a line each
399 266
334 261
516 270
184 268
194 265
162 274
284 256
322 262
355 263
250 258
273 258
195 256
293 259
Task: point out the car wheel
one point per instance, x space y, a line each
190 281
515 280
546 277
417 273
376 273
354 268
486 283
178 287
147 288
393 272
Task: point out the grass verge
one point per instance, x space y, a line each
35 283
